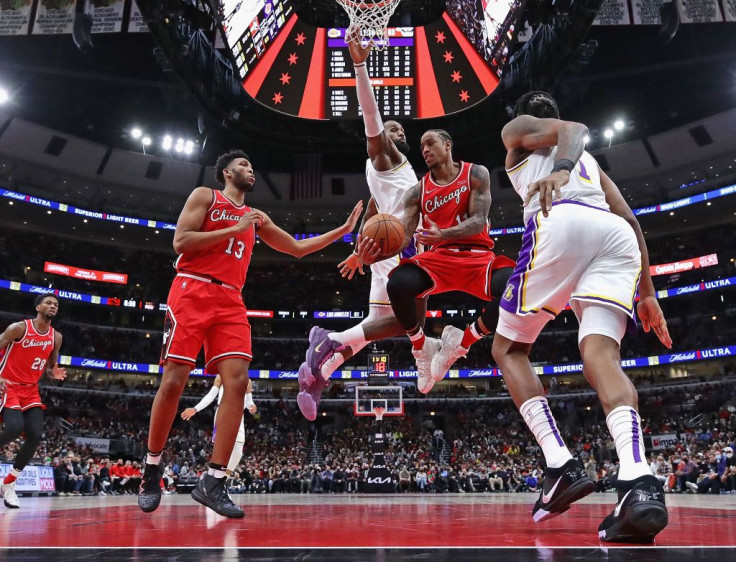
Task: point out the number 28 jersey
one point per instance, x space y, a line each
24 361
228 260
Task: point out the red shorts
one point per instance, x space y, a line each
20 397
468 271
200 313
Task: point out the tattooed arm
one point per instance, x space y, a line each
480 206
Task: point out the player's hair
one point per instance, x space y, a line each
223 161
537 104
444 135
40 298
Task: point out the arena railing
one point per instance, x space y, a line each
691 356
720 283
348 238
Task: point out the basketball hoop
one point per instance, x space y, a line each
369 21
378 412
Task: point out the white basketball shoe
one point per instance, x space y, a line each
451 351
423 358
7 491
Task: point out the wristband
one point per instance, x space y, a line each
563 164
359 65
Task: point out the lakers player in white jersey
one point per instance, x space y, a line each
581 244
216 392
389 175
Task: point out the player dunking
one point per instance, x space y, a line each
453 201
389 175
214 238
216 393
31 349
586 248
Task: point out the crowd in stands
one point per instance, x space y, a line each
456 447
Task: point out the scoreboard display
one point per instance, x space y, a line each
295 68
391 71
378 371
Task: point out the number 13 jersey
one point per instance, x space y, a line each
228 260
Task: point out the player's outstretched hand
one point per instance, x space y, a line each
357 52
350 265
188 414
367 250
429 236
353 217
549 189
253 409
58 373
652 318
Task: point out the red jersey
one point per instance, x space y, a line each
228 260
449 205
24 361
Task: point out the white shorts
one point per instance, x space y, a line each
241 430
577 253
379 278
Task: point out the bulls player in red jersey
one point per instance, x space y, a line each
30 349
214 238
452 201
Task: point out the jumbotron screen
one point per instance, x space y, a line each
292 67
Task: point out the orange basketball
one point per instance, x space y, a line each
386 230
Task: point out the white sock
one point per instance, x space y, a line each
331 365
153 459
624 424
350 337
216 472
15 472
538 417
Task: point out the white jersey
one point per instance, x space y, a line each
388 188
584 185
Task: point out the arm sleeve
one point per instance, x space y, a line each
249 400
367 101
208 399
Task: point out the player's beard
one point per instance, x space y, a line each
403 147
242 184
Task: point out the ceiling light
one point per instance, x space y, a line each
618 125
4 95
167 142
136 133
608 133
586 139
146 141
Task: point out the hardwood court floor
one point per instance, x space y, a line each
292 526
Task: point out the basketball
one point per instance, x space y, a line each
386 230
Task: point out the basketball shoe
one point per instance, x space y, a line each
210 492
450 352
640 513
10 498
310 391
423 358
321 348
149 493
561 487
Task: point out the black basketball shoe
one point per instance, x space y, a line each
561 487
149 494
640 514
210 492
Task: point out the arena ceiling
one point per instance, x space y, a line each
634 74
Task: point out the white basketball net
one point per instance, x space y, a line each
369 21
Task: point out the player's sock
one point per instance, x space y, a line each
538 417
337 359
350 337
417 338
470 336
217 470
153 457
12 476
624 424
